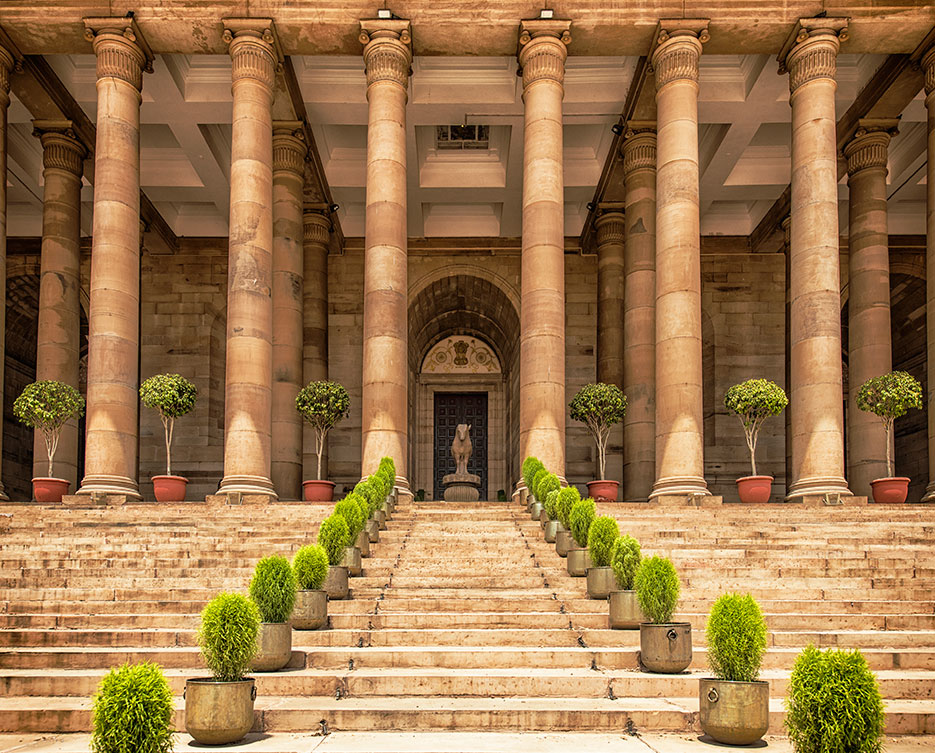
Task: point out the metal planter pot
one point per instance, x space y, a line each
352 560
543 518
218 713
578 561
380 517
551 530
274 647
310 611
563 542
666 648
335 584
373 531
601 582
535 511
736 713
625 612
362 544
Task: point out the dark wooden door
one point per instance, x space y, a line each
451 409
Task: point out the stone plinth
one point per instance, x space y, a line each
461 487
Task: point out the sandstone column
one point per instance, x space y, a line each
639 311
816 388
317 227
385 431
58 340
248 394
786 226
679 401
870 352
928 66
6 68
542 318
289 150
112 424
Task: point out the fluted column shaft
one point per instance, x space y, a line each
815 306
870 349
248 392
6 68
317 226
112 425
679 398
58 338
542 317
928 66
385 431
639 313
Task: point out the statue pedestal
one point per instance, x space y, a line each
461 487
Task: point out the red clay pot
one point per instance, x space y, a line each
603 491
170 488
49 491
755 488
890 491
318 491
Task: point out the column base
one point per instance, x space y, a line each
929 495
104 484
519 492
679 485
247 485
826 486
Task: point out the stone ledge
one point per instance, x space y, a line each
687 500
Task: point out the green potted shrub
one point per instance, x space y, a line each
322 405
133 702
351 508
273 590
333 536
580 519
890 396
665 646
625 612
825 688
47 406
548 484
602 535
551 511
172 396
535 503
599 407
310 565
219 709
531 466
389 468
373 492
734 704
753 402
568 497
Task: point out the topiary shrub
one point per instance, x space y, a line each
625 561
736 637
657 589
550 504
580 519
567 499
531 466
310 565
834 704
599 406
47 406
322 404
227 636
273 589
549 483
334 537
372 492
602 534
349 508
541 475
133 711
889 397
754 401
172 396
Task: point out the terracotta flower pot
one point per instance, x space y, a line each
49 491
318 491
886 491
170 488
755 488
603 491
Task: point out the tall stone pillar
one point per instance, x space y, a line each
112 424
928 66
679 398
610 322
6 68
385 430
542 317
786 226
58 340
870 348
816 388
289 151
248 395
639 311
317 226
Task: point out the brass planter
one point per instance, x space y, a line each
563 542
335 584
351 560
577 562
373 531
665 648
601 582
551 530
217 713
380 517
535 511
362 544
274 647
625 612
543 518
736 713
310 611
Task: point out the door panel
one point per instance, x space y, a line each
451 409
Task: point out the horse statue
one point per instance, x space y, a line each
461 448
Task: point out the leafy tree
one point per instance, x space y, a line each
47 406
172 395
754 401
322 404
599 406
890 396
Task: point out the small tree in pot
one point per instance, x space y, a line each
334 537
172 396
551 512
735 705
753 402
47 406
665 646
322 404
625 613
310 565
602 535
580 518
600 406
133 703
353 509
548 484
890 396
273 590
227 637
567 499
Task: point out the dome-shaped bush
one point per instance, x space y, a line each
351 508
581 517
657 589
531 466
736 636
310 565
133 711
549 483
602 534
273 589
550 502
334 536
540 476
567 499
227 636
625 561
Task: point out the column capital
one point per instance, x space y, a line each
121 50
928 68
61 147
611 226
676 48
7 64
811 49
639 146
316 225
868 147
542 49
289 147
254 49
387 50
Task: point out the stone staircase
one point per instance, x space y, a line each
464 618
